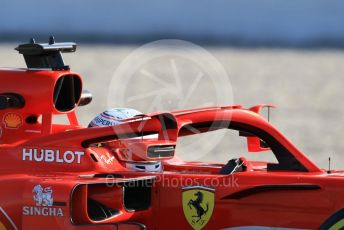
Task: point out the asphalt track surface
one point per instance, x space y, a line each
307 86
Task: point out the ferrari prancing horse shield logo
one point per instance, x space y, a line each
198 205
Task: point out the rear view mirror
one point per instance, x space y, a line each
147 150
86 98
255 144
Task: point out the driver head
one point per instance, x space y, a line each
113 117
117 116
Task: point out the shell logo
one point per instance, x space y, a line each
12 121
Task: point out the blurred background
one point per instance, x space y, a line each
287 53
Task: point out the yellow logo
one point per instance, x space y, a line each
198 205
12 121
2 226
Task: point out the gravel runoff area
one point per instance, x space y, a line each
307 86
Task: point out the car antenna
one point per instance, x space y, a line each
268 113
329 165
142 129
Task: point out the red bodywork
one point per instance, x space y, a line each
57 176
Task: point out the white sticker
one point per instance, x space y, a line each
52 156
43 197
108 159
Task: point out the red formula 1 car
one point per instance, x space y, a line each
65 176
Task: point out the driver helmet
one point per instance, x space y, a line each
118 116
113 117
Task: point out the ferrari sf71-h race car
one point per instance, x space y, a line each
65 176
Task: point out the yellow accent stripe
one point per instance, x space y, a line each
338 225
